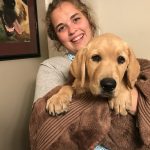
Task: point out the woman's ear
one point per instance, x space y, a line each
133 69
77 67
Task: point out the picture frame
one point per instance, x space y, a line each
22 39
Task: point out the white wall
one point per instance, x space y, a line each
130 19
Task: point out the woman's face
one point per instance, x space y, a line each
71 26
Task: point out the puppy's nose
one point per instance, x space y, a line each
108 84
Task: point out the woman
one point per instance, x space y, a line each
71 25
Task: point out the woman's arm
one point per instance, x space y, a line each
52 72
142 85
134 95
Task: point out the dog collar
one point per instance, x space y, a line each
100 147
70 56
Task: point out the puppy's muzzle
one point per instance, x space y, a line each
108 85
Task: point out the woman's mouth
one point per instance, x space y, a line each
77 38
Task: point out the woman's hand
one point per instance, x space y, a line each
134 96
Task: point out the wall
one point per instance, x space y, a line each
130 19
17 80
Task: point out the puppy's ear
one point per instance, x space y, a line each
133 69
77 67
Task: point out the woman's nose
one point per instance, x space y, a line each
71 30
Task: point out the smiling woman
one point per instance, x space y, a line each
75 18
70 25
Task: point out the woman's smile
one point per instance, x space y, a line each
77 39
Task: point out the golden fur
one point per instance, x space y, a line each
22 12
106 67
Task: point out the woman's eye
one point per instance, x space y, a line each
120 60
75 20
96 58
60 29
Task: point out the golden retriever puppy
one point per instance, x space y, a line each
106 67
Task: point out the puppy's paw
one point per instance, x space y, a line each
58 104
121 104
118 107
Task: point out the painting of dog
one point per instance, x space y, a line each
106 67
14 20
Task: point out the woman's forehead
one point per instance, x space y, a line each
63 12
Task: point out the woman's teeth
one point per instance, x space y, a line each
77 38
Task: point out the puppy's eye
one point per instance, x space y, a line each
96 58
121 60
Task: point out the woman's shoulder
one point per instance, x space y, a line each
57 61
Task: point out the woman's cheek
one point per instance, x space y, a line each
62 37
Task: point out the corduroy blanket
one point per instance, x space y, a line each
90 120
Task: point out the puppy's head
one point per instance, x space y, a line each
104 65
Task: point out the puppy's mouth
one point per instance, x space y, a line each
15 27
108 95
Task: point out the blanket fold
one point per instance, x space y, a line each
90 120
143 86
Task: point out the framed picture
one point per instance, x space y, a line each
18 29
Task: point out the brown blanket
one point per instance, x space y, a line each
90 120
